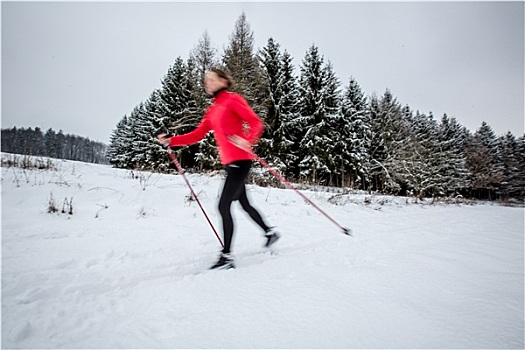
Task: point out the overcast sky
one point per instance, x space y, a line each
80 67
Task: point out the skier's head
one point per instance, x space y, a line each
217 79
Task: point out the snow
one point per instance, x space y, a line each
128 269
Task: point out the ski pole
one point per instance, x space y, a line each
345 230
181 171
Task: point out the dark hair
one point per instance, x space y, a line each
221 73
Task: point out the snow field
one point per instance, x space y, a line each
129 268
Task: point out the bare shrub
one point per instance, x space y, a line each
52 205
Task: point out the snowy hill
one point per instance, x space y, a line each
128 268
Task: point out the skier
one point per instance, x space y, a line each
228 117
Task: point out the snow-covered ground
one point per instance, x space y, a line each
128 269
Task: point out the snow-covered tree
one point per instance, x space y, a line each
175 107
280 106
319 102
356 143
481 154
270 60
401 143
336 131
451 157
313 131
241 61
118 142
34 142
120 149
286 142
519 183
50 142
176 110
143 130
388 130
203 57
511 164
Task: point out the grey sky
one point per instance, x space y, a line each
81 67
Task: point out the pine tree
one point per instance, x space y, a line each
452 169
312 130
117 144
50 143
481 154
431 160
8 139
335 132
511 166
203 57
242 63
319 103
178 112
270 60
518 185
388 129
121 151
62 147
356 142
37 140
414 168
53 145
280 103
143 130
171 109
286 146
401 143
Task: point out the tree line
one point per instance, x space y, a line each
52 144
318 130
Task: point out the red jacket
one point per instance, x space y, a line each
227 116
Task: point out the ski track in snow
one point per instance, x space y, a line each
129 268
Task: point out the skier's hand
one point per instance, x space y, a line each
164 140
241 143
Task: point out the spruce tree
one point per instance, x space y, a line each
126 137
203 57
177 111
518 184
270 60
388 129
61 146
286 143
117 144
357 137
242 63
401 143
37 141
280 106
511 164
50 142
318 102
7 140
484 174
452 169
414 168
143 130
335 130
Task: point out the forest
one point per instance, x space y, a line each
318 129
51 144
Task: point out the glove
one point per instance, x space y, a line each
163 138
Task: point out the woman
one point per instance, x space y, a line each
227 117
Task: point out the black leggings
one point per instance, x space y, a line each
235 189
